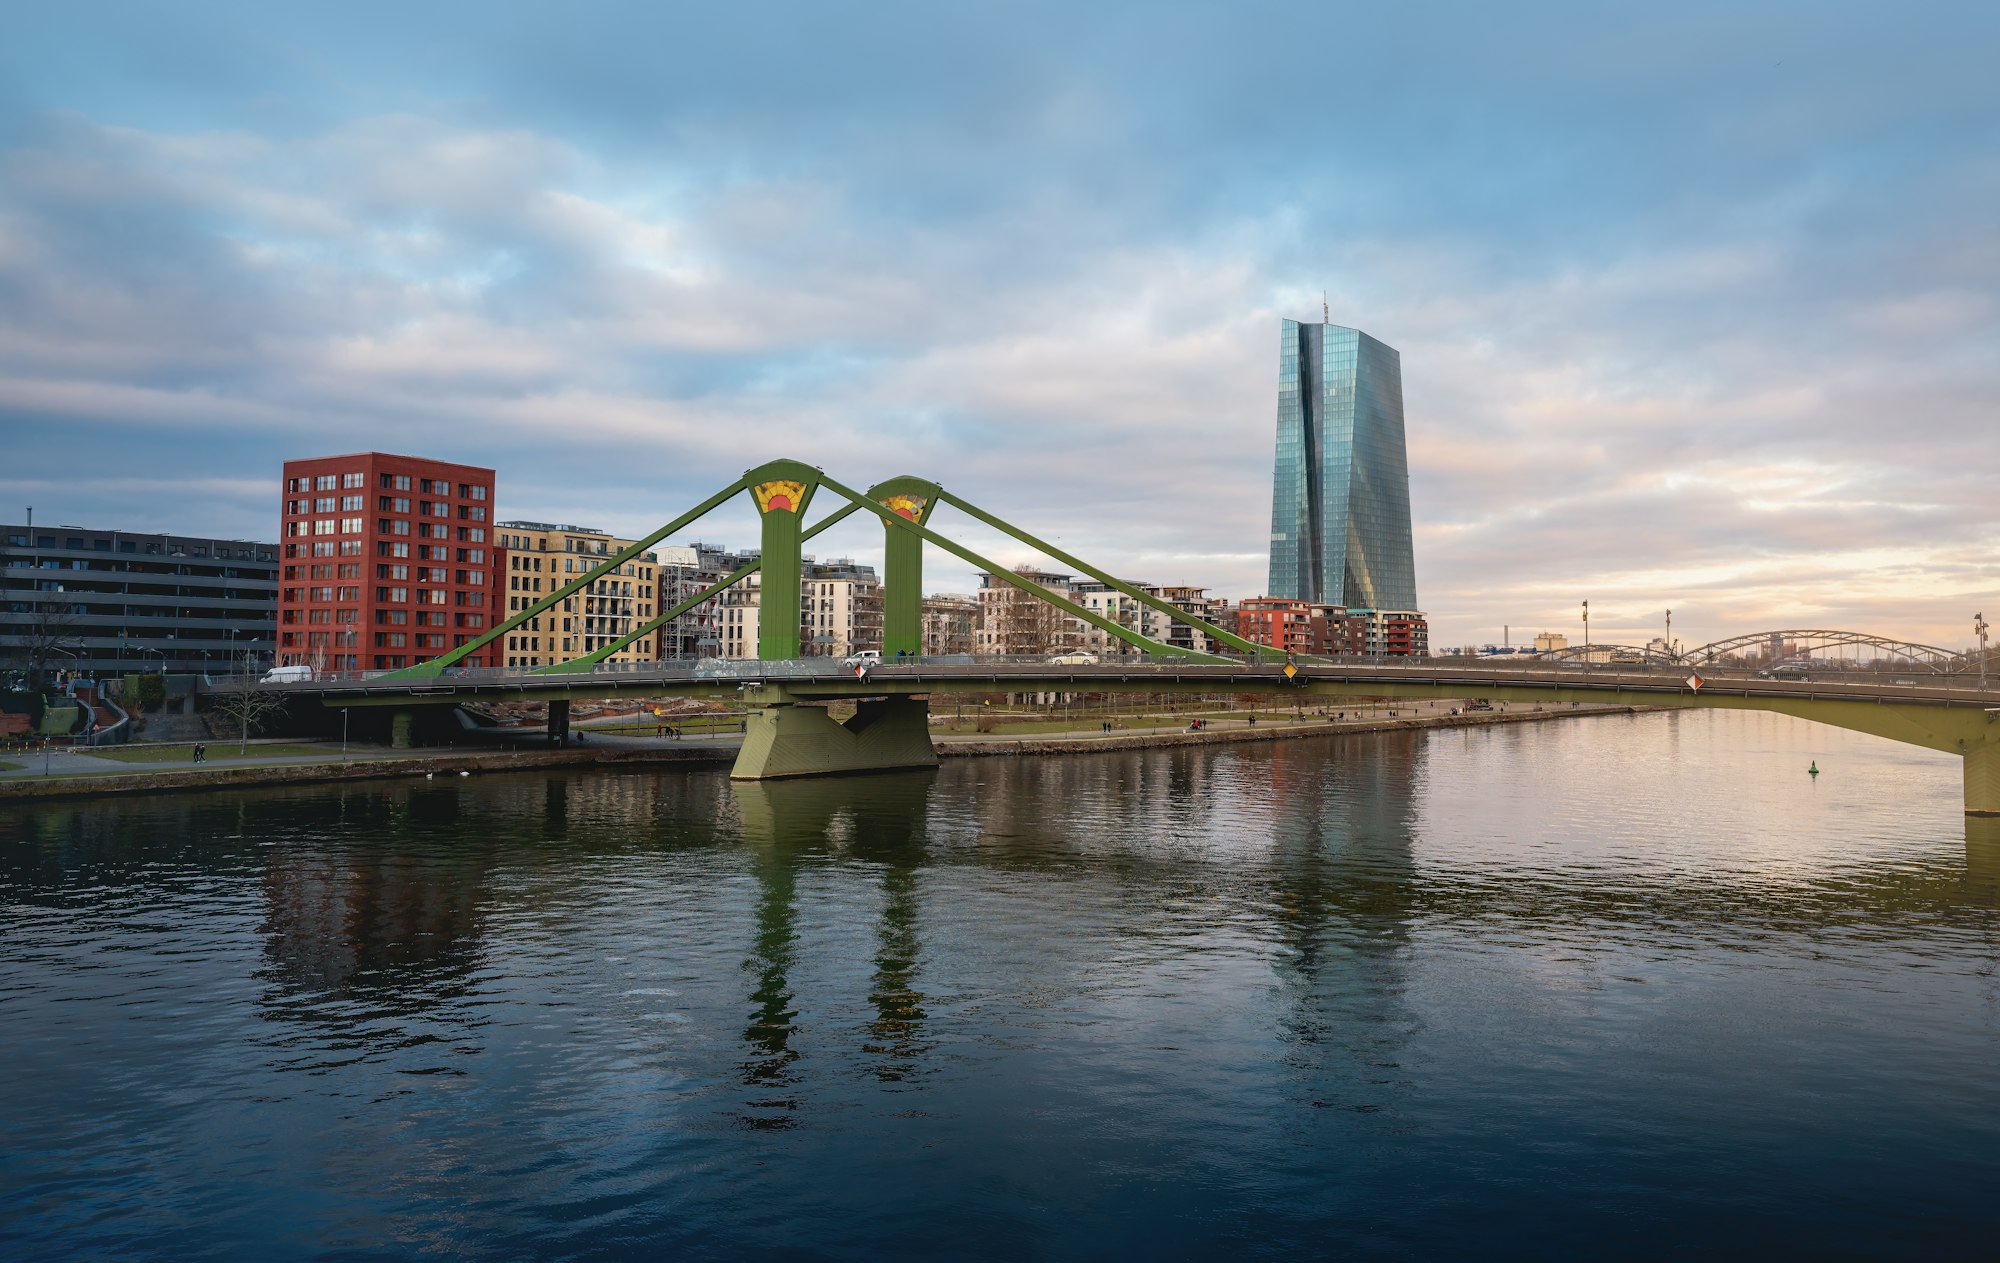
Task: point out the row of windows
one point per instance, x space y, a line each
388 482
571 565
327 482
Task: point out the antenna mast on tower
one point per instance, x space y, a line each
1325 313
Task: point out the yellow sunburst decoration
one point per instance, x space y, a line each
780 494
911 507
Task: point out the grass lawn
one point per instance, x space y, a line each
216 750
11 767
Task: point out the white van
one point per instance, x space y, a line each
285 675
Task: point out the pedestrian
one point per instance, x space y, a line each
200 752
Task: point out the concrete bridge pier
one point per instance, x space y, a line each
784 737
1982 779
1982 857
559 721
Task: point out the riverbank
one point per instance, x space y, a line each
332 767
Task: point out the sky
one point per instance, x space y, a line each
1698 304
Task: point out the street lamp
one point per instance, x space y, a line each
1670 635
163 657
1586 634
1979 629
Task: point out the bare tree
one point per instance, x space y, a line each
47 631
1029 625
242 699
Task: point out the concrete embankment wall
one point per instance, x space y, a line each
1278 731
490 761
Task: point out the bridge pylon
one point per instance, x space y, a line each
912 499
782 489
784 736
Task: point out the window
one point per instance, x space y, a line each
326 482
399 594
324 526
292 484
478 493
350 526
396 526
323 549
324 504
354 480
351 504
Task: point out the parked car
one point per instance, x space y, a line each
1074 658
286 675
864 658
1786 671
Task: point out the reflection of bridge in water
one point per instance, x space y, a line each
791 734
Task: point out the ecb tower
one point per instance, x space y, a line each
1340 489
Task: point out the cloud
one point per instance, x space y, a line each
1695 311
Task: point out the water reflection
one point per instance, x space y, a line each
878 821
1296 997
1340 867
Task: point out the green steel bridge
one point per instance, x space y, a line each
791 734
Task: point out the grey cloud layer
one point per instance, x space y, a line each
1695 311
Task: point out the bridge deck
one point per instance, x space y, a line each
827 678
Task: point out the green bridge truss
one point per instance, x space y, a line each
782 490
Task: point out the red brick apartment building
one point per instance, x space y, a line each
1295 626
386 561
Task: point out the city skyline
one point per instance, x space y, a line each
1697 307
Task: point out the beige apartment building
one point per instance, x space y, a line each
543 557
1014 624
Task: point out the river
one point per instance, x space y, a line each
1628 985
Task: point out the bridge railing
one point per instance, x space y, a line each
1082 666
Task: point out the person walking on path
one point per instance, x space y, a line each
200 753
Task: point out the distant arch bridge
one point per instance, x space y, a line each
1791 643
1807 642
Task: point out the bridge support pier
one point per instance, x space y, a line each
559 722
785 738
401 724
1982 779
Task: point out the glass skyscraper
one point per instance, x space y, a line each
1340 489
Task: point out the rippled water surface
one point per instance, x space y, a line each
1628 986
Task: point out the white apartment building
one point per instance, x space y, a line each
840 611
950 623
686 570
